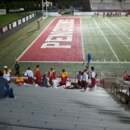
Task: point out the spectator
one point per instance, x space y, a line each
38 75
51 75
5 89
64 76
30 75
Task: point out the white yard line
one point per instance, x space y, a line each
114 33
107 41
118 37
109 62
119 30
53 62
92 62
35 40
125 23
82 39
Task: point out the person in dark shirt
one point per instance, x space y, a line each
5 89
17 67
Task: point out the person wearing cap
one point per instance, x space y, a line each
5 89
7 69
7 73
38 75
7 76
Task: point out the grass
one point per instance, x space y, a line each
107 39
8 18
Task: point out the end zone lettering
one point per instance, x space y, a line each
62 32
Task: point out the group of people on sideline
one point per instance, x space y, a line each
84 76
34 77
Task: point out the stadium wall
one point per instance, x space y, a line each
14 24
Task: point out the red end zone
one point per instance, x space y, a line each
60 42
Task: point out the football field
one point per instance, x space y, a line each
64 42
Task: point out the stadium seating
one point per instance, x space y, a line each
104 6
47 108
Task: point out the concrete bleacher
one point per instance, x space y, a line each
104 6
59 109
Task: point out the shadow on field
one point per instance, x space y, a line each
32 31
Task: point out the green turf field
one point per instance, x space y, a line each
107 39
8 18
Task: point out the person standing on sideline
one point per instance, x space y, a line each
93 77
89 59
38 24
6 75
17 67
6 72
38 75
85 79
64 76
5 89
51 75
30 75
7 69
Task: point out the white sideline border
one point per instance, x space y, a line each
92 62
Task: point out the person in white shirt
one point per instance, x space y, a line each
93 77
55 83
85 79
7 76
30 75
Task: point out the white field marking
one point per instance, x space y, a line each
94 62
110 62
34 40
114 33
124 21
107 41
118 37
82 40
52 61
119 30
